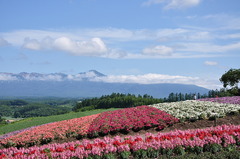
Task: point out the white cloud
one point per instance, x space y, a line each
152 78
48 77
146 79
181 4
159 50
231 22
7 77
208 47
174 4
187 42
32 44
151 2
210 63
94 47
3 42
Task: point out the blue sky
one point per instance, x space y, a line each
142 41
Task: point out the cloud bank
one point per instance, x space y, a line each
173 4
3 42
150 78
211 63
92 47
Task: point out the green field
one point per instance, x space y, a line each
28 122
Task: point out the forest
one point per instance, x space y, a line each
19 108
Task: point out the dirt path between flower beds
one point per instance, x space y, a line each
232 119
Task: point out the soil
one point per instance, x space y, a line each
227 120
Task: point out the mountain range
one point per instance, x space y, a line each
86 84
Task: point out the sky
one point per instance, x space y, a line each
133 41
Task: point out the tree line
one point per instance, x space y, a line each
119 100
115 100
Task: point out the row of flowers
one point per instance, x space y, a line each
194 109
197 141
230 100
122 120
136 118
48 132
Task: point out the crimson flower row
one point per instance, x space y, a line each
130 119
224 136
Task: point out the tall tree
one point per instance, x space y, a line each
231 78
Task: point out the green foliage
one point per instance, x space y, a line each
179 150
34 110
125 154
6 110
213 148
109 156
152 153
231 78
140 154
116 100
16 102
2 121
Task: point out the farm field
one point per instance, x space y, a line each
154 131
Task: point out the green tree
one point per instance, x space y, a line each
231 78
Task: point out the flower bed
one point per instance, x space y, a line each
230 100
177 142
194 109
136 118
53 131
100 124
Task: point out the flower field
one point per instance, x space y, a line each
196 109
212 139
37 141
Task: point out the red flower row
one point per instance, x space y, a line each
130 119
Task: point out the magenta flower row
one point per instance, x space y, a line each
224 135
230 100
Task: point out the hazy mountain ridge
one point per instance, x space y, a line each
50 77
82 85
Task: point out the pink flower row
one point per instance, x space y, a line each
224 135
46 133
131 119
230 100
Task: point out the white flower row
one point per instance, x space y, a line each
197 109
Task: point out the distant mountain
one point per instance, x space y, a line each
82 85
50 77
